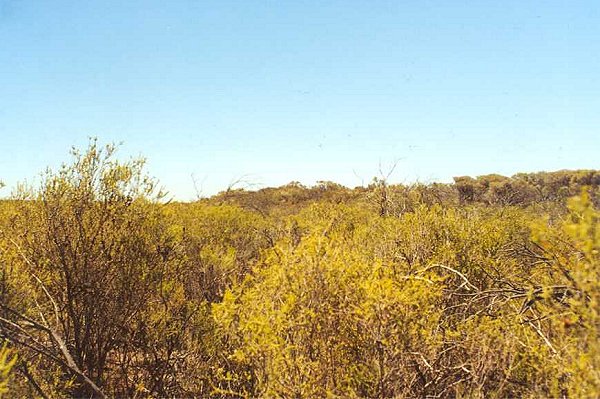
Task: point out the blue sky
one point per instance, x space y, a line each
277 91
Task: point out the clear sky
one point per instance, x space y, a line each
302 90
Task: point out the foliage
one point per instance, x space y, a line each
488 287
7 362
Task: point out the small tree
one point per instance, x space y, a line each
95 249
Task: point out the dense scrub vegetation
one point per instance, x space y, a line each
488 287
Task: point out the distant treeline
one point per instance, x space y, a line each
522 189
